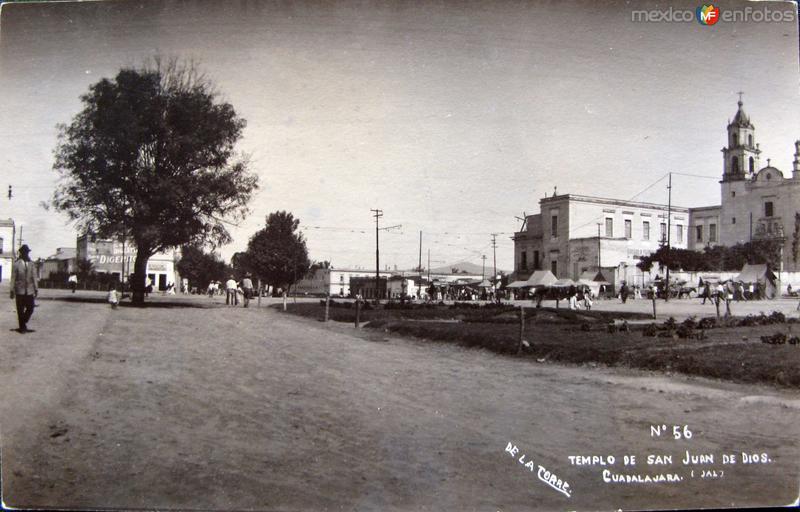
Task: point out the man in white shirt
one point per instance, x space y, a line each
24 287
247 289
73 282
231 299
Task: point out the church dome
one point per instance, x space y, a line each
769 173
741 119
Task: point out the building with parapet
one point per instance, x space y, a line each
573 233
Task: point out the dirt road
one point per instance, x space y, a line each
231 408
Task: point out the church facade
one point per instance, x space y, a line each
574 233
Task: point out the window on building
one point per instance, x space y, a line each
1 246
646 230
535 260
699 230
609 227
523 260
733 193
679 233
554 267
663 231
750 143
554 226
712 232
733 220
735 165
628 229
733 139
768 209
752 165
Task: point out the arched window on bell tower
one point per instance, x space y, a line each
752 165
733 139
735 165
750 142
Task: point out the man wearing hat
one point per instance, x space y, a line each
24 287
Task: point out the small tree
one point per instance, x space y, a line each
84 268
240 264
200 267
277 254
151 157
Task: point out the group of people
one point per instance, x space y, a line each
729 290
234 290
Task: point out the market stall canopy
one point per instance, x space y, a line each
565 282
484 284
761 275
755 274
518 284
541 278
593 276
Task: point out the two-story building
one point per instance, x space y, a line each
573 233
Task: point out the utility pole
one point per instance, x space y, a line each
483 268
669 232
429 267
377 214
419 268
20 237
494 257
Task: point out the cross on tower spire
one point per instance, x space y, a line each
740 97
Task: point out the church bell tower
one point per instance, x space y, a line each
740 157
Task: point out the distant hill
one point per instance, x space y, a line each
465 267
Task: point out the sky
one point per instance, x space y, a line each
452 117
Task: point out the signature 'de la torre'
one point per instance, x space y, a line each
544 475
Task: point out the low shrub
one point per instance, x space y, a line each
778 338
707 323
650 330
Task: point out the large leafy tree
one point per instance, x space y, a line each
717 258
201 267
277 254
151 158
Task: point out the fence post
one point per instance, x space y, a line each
716 304
284 300
654 306
327 307
521 328
258 303
358 313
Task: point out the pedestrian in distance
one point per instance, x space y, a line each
231 298
247 289
72 281
112 297
24 287
623 292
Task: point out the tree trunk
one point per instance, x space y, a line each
139 276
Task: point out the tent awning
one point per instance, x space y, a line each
518 284
755 274
541 278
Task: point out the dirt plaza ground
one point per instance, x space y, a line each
190 404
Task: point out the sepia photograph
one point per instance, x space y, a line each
402 255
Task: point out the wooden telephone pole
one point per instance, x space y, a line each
377 214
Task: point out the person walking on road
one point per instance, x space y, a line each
247 289
72 280
24 287
231 299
